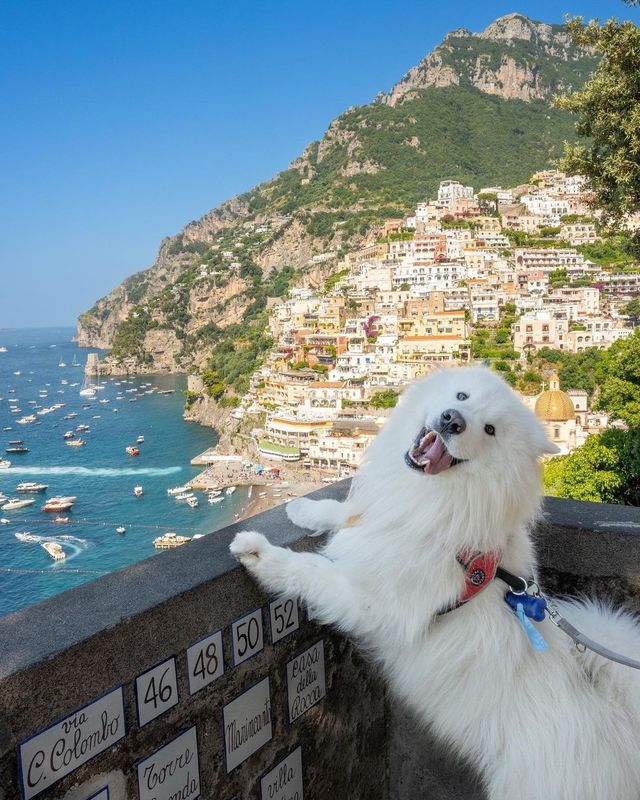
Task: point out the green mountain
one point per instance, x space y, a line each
476 109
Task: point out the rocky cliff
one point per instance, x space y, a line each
476 109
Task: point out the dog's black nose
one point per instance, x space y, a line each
452 421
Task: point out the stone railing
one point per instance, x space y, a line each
176 678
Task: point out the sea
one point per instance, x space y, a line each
37 372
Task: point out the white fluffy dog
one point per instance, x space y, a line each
455 471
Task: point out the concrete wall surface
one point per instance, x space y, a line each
168 680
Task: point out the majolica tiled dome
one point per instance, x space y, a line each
554 405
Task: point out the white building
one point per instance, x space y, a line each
450 191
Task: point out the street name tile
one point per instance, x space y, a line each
306 680
61 748
247 724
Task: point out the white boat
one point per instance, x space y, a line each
121 529
75 442
72 415
184 496
138 491
30 486
140 439
192 502
82 427
168 540
61 363
87 392
4 463
230 489
214 492
3 349
177 490
75 362
69 435
15 503
55 551
213 500
57 504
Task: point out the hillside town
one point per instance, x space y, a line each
413 296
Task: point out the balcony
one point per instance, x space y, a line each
159 664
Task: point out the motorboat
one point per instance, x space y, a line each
213 500
177 490
16 441
75 442
26 420
4 463
69 435
140 439
16 449
138 491
82 427
214 492
17 502
30 486
230 489
184 496
55 550
192 502
168 540
61 520
121 529
72 415
57 504
132 451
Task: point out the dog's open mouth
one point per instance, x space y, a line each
429 453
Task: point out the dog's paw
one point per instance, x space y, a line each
248 547
304 514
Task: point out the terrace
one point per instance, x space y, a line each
178 678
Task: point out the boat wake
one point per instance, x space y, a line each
99 472
73 545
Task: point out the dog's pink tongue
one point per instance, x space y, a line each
438 457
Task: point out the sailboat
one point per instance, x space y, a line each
75 362
61 363
88 389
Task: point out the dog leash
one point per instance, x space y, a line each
535 603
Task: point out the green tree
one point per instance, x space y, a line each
385 399
607 109
632 308
618 375
589 473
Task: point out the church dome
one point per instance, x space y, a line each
554 405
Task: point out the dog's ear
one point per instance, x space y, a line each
542 443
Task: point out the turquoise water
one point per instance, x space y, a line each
100 474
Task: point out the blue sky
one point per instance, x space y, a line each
122 121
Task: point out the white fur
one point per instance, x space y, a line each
538 726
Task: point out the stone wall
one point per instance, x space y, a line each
117 689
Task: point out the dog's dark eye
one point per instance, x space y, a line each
462 396
490 430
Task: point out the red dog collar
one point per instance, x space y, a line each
479 570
